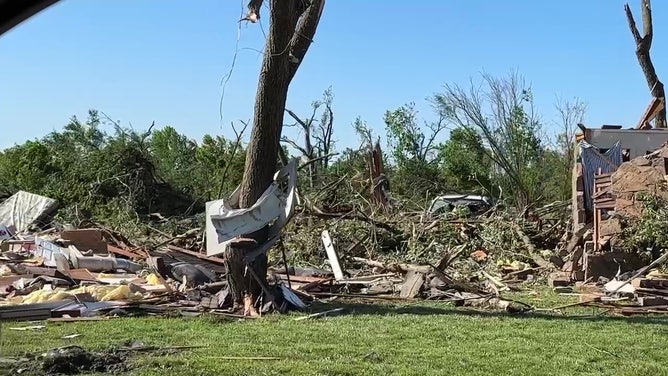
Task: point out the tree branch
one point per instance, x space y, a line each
632 25
294 145
648 29
238 136
304 33
643 44
297 119
435 130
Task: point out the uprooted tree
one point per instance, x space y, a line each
292 27
643 46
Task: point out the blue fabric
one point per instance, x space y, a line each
592 159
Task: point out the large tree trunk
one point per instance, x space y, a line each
292 27
643 45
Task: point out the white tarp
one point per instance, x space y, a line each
273 208
24 208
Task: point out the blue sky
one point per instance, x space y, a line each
163 60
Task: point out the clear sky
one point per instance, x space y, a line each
163 60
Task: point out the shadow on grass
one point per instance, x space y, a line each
428 309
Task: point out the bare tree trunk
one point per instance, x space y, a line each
643 45
292 27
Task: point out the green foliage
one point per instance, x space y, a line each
220 167
415 153
555 180
464 162
404 135
122 176
174 156
501 113
650 232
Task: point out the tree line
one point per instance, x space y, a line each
486 139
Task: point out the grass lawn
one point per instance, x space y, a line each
387 339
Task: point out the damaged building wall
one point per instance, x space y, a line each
631 142
637 141
616 203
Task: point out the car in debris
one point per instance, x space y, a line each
476 204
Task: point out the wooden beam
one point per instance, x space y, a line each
656 105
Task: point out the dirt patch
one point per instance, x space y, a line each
72 360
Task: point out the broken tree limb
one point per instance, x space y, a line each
186 234
317 159
304 33
353 216
643 46
502 286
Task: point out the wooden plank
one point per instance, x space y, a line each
332 256
85 239
9 279
649 291
577 238
600 193
81 275
49 272
412 284
201 256
649 301
304 278
78 318
655 105
123 252
650 283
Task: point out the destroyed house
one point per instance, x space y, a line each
598 154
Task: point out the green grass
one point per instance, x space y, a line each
406 339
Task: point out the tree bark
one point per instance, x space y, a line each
643 45
292 27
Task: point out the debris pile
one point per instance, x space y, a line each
643 292
77 274
616 259
93 273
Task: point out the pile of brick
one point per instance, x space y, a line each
644 174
